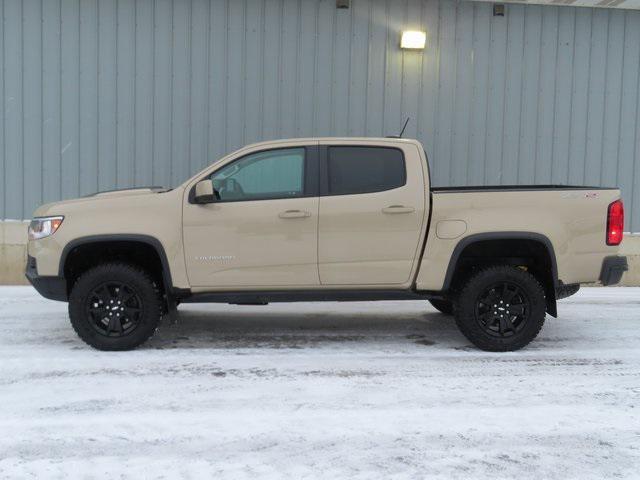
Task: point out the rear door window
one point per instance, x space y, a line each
353 169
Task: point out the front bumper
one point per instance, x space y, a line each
612 269
53 288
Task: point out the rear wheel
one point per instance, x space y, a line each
443 306
500 309
115 306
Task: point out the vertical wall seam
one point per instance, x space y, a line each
586 130
618 143
438 87
97 100
59 152
263 97
352 41
4 114
171 93
22 120
572 94
420 80
518 139
153 90
134 160
117 137
296 113
226 79
3 110
316 54
384 64
314 90
243 69
402 69
470 130
190 87
536 137
41 193
453 133
504 105
366 76
486 110
635 187
555 97
605 105
331 102
208 153
79 118
279 117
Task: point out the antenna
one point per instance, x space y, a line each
405 126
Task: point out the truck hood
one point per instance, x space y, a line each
129 191
59 208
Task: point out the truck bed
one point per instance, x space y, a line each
571 219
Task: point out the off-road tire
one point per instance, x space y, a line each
478 287
138 281
443 306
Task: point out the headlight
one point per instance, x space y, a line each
41 227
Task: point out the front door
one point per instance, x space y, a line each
262 232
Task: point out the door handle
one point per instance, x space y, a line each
398 209
294 214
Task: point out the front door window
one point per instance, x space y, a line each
271 174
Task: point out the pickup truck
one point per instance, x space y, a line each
325 219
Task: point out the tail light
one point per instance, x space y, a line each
615 223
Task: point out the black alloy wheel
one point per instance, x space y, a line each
115 306
502 309
114 309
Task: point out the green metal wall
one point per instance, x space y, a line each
112 93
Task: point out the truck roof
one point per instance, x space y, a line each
372 140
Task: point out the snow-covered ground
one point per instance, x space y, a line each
363 390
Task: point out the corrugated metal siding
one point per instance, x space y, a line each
101 94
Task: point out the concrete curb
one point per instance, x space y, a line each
13 252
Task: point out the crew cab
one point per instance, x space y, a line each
325 219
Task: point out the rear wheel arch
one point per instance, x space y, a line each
529 249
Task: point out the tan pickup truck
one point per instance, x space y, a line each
335 219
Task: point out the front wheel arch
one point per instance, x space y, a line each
83 253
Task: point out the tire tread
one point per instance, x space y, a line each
466 298
109 270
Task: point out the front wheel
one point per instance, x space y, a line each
500 309
115 306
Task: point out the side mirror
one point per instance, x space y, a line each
204 192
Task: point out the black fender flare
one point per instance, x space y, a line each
550 290
139 238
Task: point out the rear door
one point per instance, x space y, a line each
372 208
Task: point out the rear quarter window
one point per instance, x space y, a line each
352 169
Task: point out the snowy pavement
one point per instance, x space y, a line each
363 390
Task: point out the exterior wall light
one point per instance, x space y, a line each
413 40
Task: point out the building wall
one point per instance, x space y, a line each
107 94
